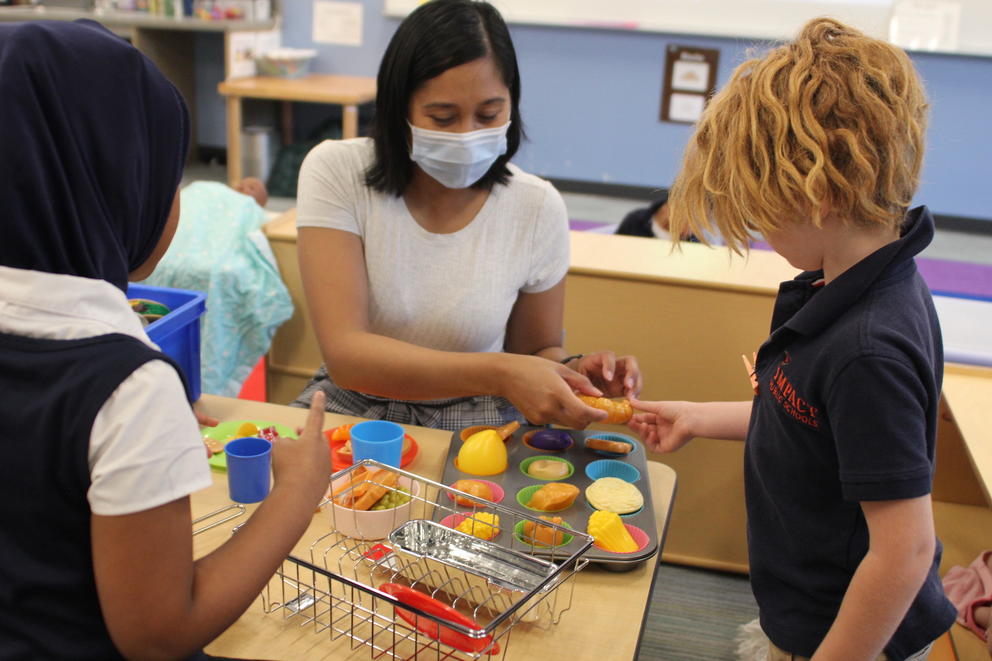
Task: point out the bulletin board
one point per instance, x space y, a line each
946 26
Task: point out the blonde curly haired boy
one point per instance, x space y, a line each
818 146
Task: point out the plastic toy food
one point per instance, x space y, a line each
342 433
371 487
609 532
618 447
614 495
473 487
550 439
547 469
506 431
544 535
484 525
247 429
213 445
442 611
392 499
483 454
554 497
619 410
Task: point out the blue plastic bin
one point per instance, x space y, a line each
177 333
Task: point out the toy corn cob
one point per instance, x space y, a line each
619 410
609 532
484 525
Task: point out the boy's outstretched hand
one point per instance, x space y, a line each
663 426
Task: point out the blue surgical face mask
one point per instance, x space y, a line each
457 160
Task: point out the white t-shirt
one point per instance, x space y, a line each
451 292
145 445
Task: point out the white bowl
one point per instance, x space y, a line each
370 524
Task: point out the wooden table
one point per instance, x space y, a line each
969 394
604 620
347 91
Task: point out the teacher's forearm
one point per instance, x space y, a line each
387 367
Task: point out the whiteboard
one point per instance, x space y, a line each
958 26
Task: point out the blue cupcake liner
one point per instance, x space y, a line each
612 468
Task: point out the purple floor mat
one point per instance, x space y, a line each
957 278
585 225
943 276
947 277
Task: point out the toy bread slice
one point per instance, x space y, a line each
605 445
553 497
506 431
377 486
619 410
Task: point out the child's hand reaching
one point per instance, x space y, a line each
663 426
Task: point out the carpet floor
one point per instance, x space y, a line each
694 615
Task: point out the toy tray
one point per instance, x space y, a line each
513 479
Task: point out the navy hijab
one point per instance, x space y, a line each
92 144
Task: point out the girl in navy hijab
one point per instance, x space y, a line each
100 449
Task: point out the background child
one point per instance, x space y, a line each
101 449
649 221
818 146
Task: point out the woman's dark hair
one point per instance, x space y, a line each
435 37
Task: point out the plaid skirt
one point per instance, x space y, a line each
451 414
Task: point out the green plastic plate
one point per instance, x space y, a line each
227 430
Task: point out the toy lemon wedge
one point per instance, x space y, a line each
483 454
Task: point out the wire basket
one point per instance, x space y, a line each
470 592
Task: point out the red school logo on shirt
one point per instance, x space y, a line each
797 406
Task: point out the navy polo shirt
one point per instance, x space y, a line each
846 411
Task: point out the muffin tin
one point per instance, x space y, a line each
588 464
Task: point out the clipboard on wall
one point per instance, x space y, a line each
689 81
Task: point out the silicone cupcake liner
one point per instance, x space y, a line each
498 493
620 438
453 520
520 487
612 468
525 494
525 465
468 431
641 538
518 532
528 435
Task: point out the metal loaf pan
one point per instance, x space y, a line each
498 564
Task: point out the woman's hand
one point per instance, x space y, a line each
543 391
616 377
663 426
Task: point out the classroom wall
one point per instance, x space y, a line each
591 105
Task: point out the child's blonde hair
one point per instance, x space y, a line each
832 122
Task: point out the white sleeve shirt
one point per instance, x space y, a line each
451 292
145 445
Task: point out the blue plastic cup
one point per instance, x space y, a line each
379 440
248 466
